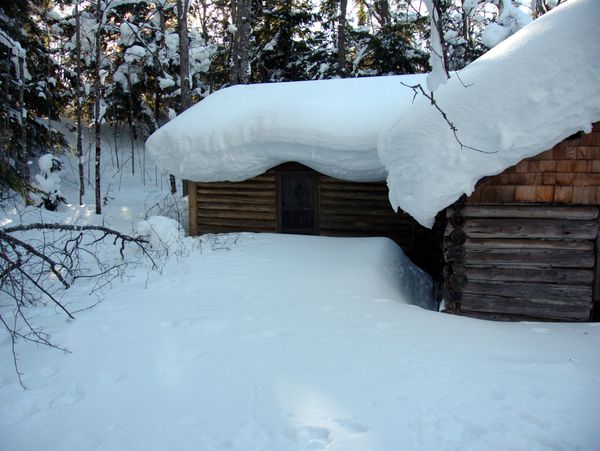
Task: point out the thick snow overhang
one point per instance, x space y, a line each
524 96
239 132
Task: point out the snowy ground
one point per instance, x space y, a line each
272 342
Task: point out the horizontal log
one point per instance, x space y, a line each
400 239
388 214
236 206
457 281
241 225
228 229
452 294
526 307
384 221
541 258
457 237
531 211
457 219
504 243
533 291
557 276
237 185
382 205
353 186
245 193
457 267
237 214
362 227
531 228
225 199
347 194
454 254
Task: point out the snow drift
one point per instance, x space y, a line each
239 132
521 98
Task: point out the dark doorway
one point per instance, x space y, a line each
297 199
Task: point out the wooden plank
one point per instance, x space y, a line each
237 214
262 200
224 206
507 243
365 210
362 227
531 228
543 258
345 194
237 186
353 186
595 314
533 291
388 223
192 213
523 274
382 205
242 225
231 229
210 193
526 307
532 211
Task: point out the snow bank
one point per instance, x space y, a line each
282 342
241 131
162 233
524 96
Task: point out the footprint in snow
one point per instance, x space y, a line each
314 437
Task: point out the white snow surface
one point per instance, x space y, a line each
239 132
162 233
521 98
251 342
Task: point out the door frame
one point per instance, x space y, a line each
301 171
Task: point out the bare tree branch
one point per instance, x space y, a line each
418 89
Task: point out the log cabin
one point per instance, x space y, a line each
509 186
525 244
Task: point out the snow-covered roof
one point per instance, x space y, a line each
524 96
239 132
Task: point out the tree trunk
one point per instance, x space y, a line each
341 69
22 156
97 118
240 64
184 55
79 109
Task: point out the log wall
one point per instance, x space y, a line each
515 261
250 205
344 209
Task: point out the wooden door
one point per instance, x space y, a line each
297 202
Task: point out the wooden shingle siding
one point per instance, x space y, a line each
569 173
521 261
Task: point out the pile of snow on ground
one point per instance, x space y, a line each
280 342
